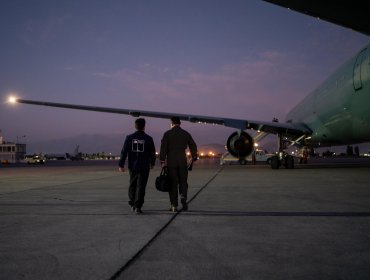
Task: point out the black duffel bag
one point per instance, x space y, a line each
162 182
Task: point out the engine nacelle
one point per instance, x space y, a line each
240 145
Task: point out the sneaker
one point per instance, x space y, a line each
138 211
173 209
184 205
132 208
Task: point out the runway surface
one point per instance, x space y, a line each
71 221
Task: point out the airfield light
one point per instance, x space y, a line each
12 99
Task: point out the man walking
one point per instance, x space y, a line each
173 146
140 150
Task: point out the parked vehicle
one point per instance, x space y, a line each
34 159
228 158
260 156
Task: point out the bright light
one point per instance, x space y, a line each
12 99
256 144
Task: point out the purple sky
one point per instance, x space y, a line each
241 58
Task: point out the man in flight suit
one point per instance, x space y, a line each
140 150
173 146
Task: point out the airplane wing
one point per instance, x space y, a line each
288 129
350 14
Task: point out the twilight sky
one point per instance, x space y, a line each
240 58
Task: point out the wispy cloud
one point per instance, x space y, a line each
38 31
255 86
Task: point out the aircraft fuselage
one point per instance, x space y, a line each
338 111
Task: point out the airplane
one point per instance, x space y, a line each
76 154
335 113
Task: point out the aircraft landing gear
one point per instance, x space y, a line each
282 159
275 162
242 161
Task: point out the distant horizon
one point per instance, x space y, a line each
112 143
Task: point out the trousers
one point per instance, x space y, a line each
178 175
136 190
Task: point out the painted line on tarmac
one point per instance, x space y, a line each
277 214
141 251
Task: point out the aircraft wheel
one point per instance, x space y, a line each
242 161
275 162
289 162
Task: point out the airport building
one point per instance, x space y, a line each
11 152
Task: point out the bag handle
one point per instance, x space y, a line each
190 165
164 170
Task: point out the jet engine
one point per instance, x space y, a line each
240 144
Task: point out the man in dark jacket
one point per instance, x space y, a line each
140 150
173 146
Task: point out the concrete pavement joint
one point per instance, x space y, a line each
59 185
141 251
277 214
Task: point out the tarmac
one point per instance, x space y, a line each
72 221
